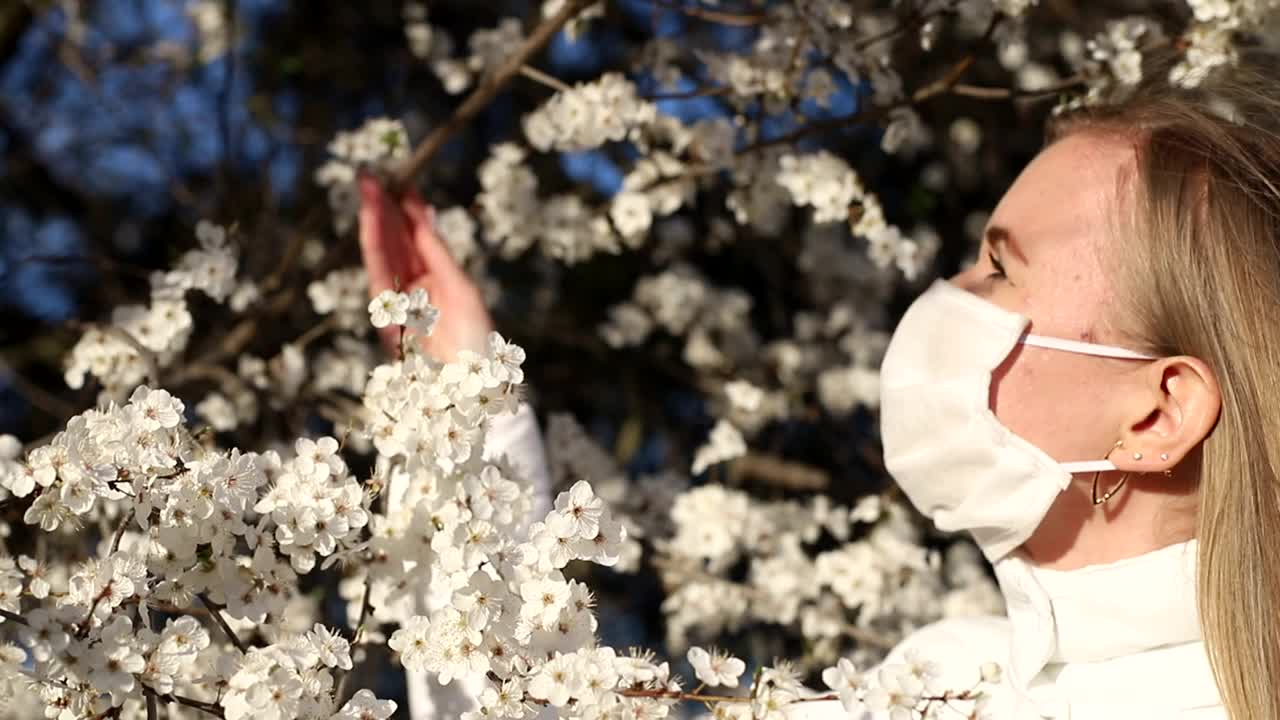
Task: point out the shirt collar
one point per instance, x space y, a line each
1100 611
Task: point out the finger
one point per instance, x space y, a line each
374 249
385 244
428 242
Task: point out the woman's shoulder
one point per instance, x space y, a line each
957 644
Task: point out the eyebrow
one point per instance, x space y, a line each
1000 235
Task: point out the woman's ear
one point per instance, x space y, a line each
1179 408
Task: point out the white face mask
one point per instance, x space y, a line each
942 443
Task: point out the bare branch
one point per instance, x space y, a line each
779 472
943 84
550 81
488 88
216 611
124 524
210 708
714 16
15 617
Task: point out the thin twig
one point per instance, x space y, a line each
996 93
216 611
714 91
124 524
550 81
942 85
485 92
714 16
51 404
912 23
365 607
779 472
330 322
14 617
659 693
211 708
148 357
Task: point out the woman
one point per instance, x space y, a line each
1097 400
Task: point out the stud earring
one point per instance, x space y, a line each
1164 456
1137 456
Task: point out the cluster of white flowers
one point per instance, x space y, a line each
575 26
827 184
376 145
881 583
514 619
714 322
508 199
1120 47
210 20
821 181
834 353
1208 46
589 115
237 530
294 678
909 689
725 443
144 338
411 310
488 48
344 294
515 218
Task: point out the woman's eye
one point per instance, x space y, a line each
995 263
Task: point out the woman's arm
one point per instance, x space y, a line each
402 251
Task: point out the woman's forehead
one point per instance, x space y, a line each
1064 201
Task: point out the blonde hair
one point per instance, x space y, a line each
1200 272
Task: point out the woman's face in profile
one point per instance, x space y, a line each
1042 257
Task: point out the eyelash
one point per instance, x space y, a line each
999 268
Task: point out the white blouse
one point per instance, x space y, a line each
1118 641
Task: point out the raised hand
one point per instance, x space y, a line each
402 251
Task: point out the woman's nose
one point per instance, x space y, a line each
967 279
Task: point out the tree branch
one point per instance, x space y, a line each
216 611
778 472
1010 93
14 617
550 81
713 16
488 88
51 404
942 85
211 708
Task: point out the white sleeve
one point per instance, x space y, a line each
518 437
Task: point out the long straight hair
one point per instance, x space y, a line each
1198 273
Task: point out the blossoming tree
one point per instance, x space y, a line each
177 545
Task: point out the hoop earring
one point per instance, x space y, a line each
1106 496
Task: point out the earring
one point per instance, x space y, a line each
1107 496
